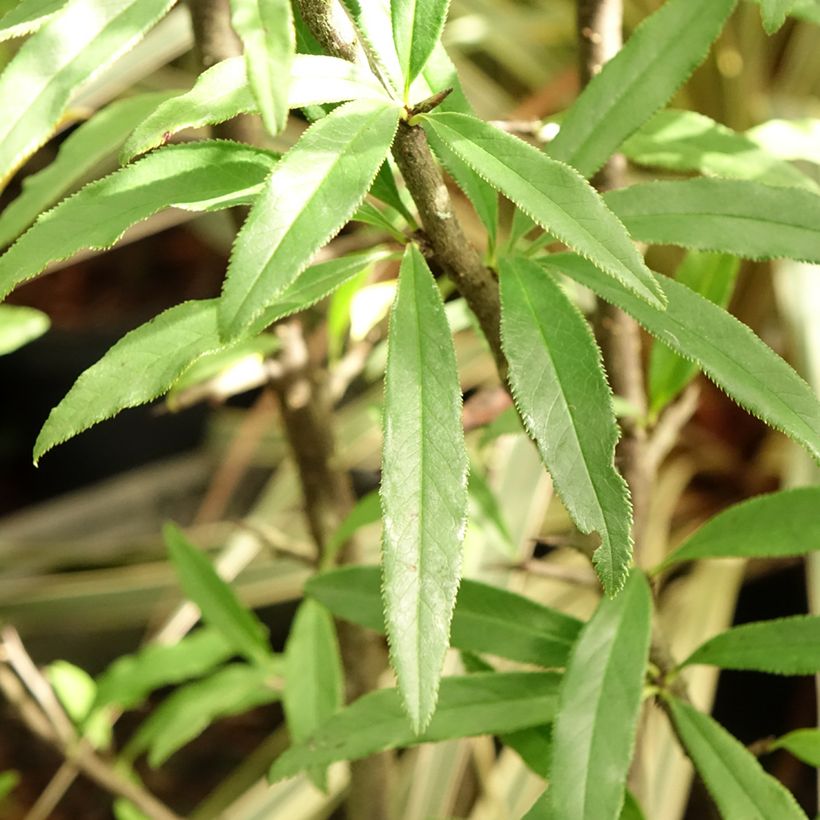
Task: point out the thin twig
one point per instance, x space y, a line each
667 431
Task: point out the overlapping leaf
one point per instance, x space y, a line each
774 13
27 16
552 193
599 702
735 779
423 488
725 349
38 83
560 390
197 177
486 619
479 704
308 198
781 646
804 744
20 325
769 526
740 217
417 27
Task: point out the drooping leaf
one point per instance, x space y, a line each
690 142
196 177
777 525
266 30
654 63
311 194
804 744
757 379
488 703
733 776
740 217
486 619
552 193
20 325
557 380
82 155
314 680
36 86
27 16
417 27
131 678
774 13
423 488
782 646
712 276
599 703
188 711
220 608
790 139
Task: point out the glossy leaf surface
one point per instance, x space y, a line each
311 194
734 778
486 619
423 487
487 703
559 387
740 217
726 350
599 704
551 193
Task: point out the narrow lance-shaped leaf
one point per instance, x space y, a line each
733 776
27 16
561 392
489 703
712 276
804 744
36 86
599 703
424 487
486 619
88 151
417 27
314 680
777 525
774 13
197 177
266 30
726 350
20 325
658 58
552 193
312 193
372 20
217 602
781 646
740 217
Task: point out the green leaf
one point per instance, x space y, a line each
488 508
372 19
774 13
658 58
534 746
82 155
740 217
314 679
384 188
790 139
36 86
76 691
726 350
266 30
712 276
220 608
777 525
632 809
562 395
782 646
129 680
599 704
417 27
368 510
804 744
8 783
481 704
196 177
20 325
686 141
154 356
486 619
734 778
423 488
187 712
552 193
27 16
308 198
